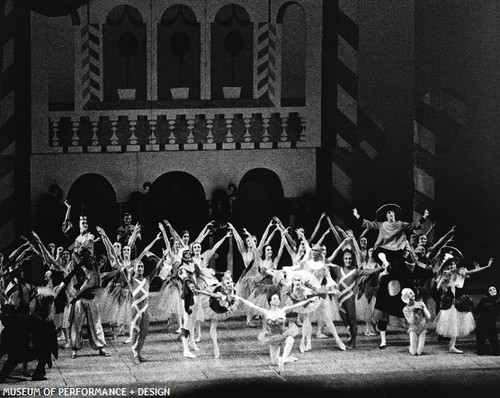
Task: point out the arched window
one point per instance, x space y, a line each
232 53
293 54
124 54
178 53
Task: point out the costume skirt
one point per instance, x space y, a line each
269 338
452 323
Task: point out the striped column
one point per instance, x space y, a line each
437 112
347 108
7 124
91 62
370 135
266 61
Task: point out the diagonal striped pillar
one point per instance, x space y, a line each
437 112
7 124
347 108
371 134
266 60
91 62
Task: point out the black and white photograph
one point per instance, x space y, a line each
249 198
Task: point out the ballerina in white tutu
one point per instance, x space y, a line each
455 318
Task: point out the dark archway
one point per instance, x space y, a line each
180 198
94 196
260 197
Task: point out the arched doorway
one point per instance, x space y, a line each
259 198
94 196
178 197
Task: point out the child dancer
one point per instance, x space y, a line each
417 315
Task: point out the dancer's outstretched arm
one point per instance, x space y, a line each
334 230
148 247
316 229
280 250
66 225
204 232
478 268
264 237
338 249
434 249
110 250
252 305
300 304
288 237
135 234
207 255
237 238
320 241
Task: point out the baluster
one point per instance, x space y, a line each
75 140
229 136
171 126
114 138
55 129
133 139
284 124
190 138
210 125
247 137
302 136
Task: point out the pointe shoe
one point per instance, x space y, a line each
302 347
342 346
189 354
454 350
308 346
291 359
382 345
321 336
216 352
137 361
73 354
198 339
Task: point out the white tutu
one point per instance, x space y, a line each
452 323
198 308
325 310
169 300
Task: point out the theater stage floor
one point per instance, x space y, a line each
244 368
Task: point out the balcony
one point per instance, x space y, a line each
138 130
